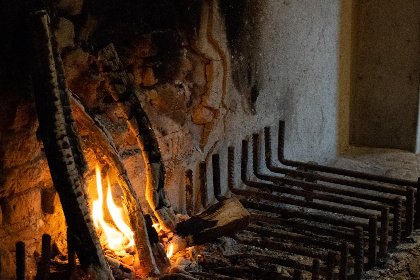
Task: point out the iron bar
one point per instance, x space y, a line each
303 203
303 184
334 170
397 229
20 260
303 215
358 252
189 192
43 268
297 274
331 260
373 235
247 271
316 269
409 211
284 247
299 238
318 177
417 211
301 226
344 258
203 183
384 230
325 197
256 161
283 261
231 168
216 177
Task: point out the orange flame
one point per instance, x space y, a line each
157 227
120 239
170 251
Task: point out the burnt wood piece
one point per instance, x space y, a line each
100 140
223 218
120 84
67 176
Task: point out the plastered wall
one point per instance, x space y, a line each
299 53
384 105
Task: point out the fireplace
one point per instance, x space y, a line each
111 68
161 97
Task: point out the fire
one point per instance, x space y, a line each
157 227
121 237
170 251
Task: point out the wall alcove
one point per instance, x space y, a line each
385 75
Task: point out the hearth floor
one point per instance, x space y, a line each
404 261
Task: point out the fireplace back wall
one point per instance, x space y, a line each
207 74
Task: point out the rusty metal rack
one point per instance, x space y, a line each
344 221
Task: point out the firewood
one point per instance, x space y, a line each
221 219
121 87
103 144
58 140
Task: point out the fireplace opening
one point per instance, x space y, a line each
165 113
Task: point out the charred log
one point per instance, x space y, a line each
121 87
58 139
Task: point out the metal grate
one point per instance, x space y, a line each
345 221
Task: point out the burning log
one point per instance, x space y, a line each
104 145
221 219
121 87
59 143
